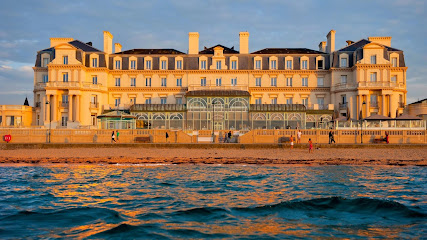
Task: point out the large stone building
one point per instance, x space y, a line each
166 88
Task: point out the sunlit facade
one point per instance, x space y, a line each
218 87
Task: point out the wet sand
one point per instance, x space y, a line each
324 156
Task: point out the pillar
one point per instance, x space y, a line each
383 110
367 105
70 108
47 106
78 108
55 108
389 106
43 110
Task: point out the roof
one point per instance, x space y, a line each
359 44
287 51
217 93
116 114
407 117
83 46
211 50
148 51
420 101
378 117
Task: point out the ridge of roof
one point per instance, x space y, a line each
210 50
151 51
362 42
287 51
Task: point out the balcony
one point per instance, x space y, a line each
343 106
374 104
214 87
401 105
344 86
94 105
63 104
381 84
37 105
70 84
117 107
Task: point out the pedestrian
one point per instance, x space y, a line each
292 141
167 136
229 137
386 137
331 137
310 146
299 134
117 133
113 137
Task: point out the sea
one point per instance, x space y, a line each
212 202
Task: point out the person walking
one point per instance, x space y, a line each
386 137
299 134
113 137
117 134
167 137
292 141
331 137
229 136
310 146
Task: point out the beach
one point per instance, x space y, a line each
154 155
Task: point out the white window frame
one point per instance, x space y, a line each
258 82
65 59
203 64
45 78
94 79
133 82
117 102
117 64
132 64
289 82
234 64
373 77
394 62
274 100
203 82
179 64
289 100
273 64
163 65
344 79
258 64
258 100
320 81
179 82
304 81
344 62
148 81
45 61
163 82
218 82
65 77
218 64
273 81
234 81
289 64
117 82
374 59
147 100
304 64
94 62
163 100
148 64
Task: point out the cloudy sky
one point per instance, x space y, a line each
26 26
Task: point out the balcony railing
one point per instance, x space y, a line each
343 106
118 107
374 104
63 104
214 87
380 84
60 84
94 105
401 105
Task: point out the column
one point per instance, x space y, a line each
78 108
42 110
47 112
358 106
55 108
70 108
383 110
389 106
367 105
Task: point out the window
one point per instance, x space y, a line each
117 82
343 79
218 65
319 64
374 100
289 100
394 78
320 81
304 82
321 101
65 77
179 64
133 64
148 101
258 82
258 64
273 64
203 82
133 100
163 100
179 82
45 62
274 82
289 82
203 65
289 64
305 101
218 82
117 102
394 62
258 100
148 82
304 64
64 98
233 81
234 64
343 62
93 120
374 59
344 98
163 82
94 62
45 78
373 77
65 59
133 82
274 101
64 120
94 79
148 64
118 63
163 64
178 100
94 99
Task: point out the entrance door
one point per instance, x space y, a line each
219 125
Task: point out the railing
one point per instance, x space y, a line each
343 106
63 104
380 84
323 106
38 104
342 86
374 104
214 87
401 105
94 105
119 107
86 85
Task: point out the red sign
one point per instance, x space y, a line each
7 138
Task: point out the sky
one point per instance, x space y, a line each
26 26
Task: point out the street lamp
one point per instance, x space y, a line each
50 117
361 122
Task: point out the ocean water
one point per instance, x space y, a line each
212 202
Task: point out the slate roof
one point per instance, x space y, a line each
420 101
148 51
287 51
359 44
217 93
211 50
83 46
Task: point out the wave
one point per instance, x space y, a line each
127 231
376 207
205 213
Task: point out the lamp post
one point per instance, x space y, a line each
361 122
50 118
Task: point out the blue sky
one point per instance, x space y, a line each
26 26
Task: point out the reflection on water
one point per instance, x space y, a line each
207 201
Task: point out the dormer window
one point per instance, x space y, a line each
343 62
117 64
234 65
65 59
133 64
320 64
394 62
374 59
273 64
45 62
218 65
304 64
163 65
179 64
258 64
203 65
288 64
94 62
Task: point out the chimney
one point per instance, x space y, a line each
193 43
330 47
244 42
322 46
349 42
57 41
117 47
108 42
381 40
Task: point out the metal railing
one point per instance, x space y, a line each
63 104
343 106
374 104
221 87
94 105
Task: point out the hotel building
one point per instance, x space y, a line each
76 85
